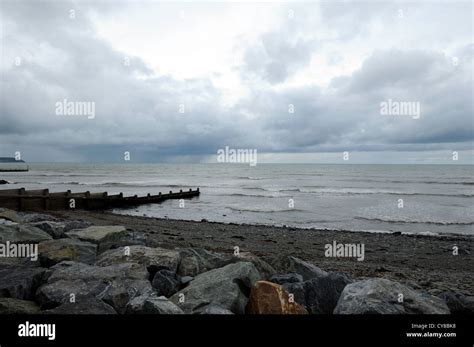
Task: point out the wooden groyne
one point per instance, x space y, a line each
38 200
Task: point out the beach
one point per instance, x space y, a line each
425 262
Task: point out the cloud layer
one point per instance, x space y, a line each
331 65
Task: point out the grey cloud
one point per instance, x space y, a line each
350 115
138 110
275 56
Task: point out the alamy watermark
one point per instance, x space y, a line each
75 108
400 108
28 329
345 250
21 250
231 155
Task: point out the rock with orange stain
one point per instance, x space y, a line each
271 298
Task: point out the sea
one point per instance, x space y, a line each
419 199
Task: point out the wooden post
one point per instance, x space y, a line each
20 198
105 201
86 200
46 199
66 201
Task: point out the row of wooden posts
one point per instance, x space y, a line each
37 200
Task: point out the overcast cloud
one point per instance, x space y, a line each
236 69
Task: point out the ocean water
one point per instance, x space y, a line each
436 198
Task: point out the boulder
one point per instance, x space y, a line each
75 224
194 261
166 283
98 234
20 261
129 239
321 294
271 298
227 287
21 282
298 291
28 217
286 264
265 269
54 229
185 280
152 304
458 303
291 277
10 215
17 306
83 305
154 259
382 296
18 233
115 284
55 251
119 292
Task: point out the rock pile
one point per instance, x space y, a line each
85 269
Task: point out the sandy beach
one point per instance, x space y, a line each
423 262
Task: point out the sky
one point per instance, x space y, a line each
300 82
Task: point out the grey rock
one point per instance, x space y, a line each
185 280
291 277
152 304
194 261
10 215
380 296
154 259
98 234
265 269
75 224
114 284
227 287
323 293
17 306
54 229
166 283
286 264
129 239
458 303
83 305
28 217
55 251
20 261
21 282
298 290
18 233
119 292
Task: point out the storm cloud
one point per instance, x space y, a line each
281 78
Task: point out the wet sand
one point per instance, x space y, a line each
424 262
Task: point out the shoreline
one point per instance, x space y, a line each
422 261
276 226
